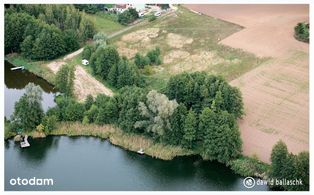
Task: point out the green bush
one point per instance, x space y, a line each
49 123
246 166
151 18
302 32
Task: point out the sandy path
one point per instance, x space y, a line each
84 83
275 94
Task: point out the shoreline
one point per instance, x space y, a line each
133 142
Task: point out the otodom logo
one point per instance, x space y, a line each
249 182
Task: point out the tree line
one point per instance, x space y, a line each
43 32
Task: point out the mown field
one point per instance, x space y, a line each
105 23
188 42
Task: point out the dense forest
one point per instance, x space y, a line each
42 32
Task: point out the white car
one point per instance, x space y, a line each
157 14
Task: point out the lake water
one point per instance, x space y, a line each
86 163
15 82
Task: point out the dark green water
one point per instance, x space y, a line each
15 82
86 163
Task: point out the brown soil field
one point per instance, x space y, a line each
276 93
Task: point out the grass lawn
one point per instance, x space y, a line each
105 23
188 42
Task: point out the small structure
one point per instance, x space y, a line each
85 62
24 143
140 151
18 68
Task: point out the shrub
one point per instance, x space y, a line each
302 32
49 123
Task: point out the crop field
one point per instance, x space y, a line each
275 94
188 42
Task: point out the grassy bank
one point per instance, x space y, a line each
132 142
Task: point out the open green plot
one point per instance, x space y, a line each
188 42
105 23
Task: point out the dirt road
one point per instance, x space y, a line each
275 94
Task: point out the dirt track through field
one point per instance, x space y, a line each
275 94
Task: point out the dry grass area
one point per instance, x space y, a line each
84 83
276 94
188 42
117 137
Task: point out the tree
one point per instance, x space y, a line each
92 114
175 135
87 28
87 52
123 74
100 39
221 136
190 130
103 59
156 110
73 111
198 90
48 45
71 40
27 46
28 111
279 156
285 165
128 16
128 99
154 56
15 24
49 123
141 61
89 100
107 113
64 79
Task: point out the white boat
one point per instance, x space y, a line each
140 151
25 144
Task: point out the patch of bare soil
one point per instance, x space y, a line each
175 55
85 84
127 52
55 66
178 41
201 61
141 35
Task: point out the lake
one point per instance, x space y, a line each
15 82
87 163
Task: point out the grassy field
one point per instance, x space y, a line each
105 23
188 42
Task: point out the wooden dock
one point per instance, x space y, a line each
25 144
18 68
